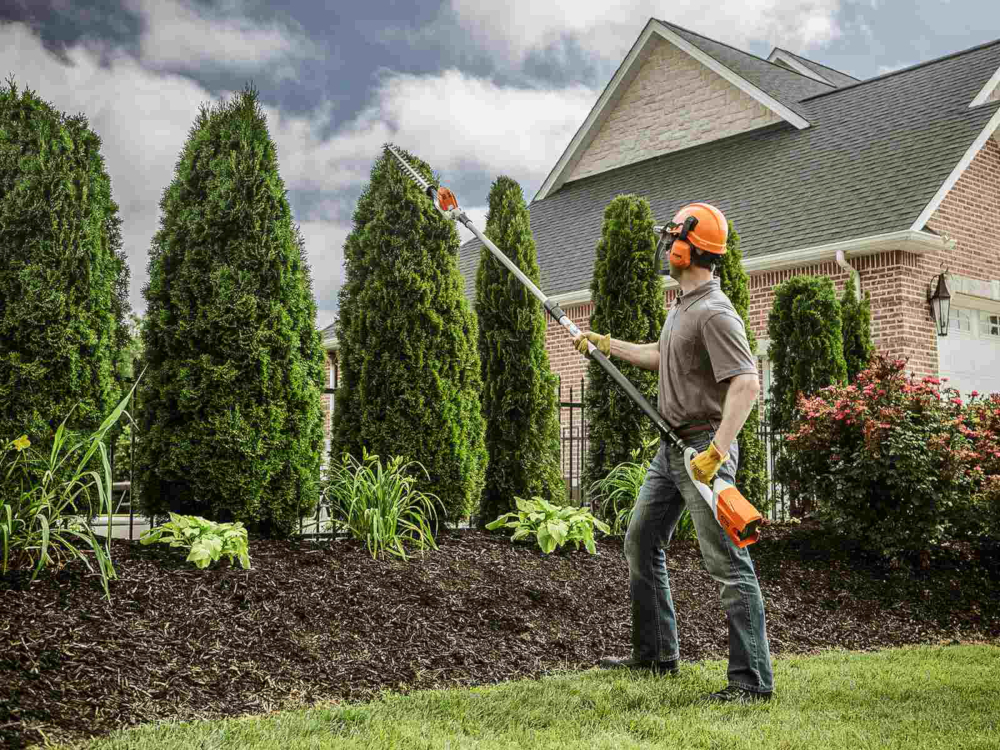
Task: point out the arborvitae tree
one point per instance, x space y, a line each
231 423
520 402
857 329
410 378
63 275
807 346
751 474
628 299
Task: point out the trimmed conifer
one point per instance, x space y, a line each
520 401
857 329
63 275
628 299
231 422
807 346
751 473
410 379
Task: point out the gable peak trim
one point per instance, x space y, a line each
587 131
782 56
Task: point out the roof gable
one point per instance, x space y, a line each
694 46
990 92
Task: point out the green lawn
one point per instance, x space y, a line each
944 697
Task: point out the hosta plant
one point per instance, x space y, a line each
552 525
380 505
207 540
620 491
47 495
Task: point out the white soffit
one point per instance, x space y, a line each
989 130
791 62
987 91
626 72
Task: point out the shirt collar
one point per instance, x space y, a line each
697 293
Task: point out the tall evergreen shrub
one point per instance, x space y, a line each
856 318
520 401
63 275
410 379
231 420
807 346
628 300
751 474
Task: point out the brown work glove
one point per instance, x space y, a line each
706 464
601 342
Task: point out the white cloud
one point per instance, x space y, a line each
324 242
181 35
453 121
516 28
883 69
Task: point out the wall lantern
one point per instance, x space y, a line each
940 299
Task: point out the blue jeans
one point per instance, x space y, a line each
662 499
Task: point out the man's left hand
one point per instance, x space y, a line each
706 464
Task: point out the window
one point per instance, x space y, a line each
989 323
961 320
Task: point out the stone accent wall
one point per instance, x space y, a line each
673 102
329 363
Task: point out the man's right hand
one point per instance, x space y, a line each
603 343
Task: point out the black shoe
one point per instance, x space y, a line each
733 694
658 667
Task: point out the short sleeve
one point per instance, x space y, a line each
727 345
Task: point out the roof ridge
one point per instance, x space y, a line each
748 54
816 62
908 69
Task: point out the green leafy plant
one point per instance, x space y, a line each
231 417
207 540
380 506
620 490
627 295
519 395
552 525
42 515
410 378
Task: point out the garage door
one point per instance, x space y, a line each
969 356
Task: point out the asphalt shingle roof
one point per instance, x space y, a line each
834 76
874 156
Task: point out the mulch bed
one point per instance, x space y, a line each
316 622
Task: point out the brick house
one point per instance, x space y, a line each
897 177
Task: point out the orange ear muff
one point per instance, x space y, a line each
680 254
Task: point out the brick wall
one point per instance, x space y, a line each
673 102
329 361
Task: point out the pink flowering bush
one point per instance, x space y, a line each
897 462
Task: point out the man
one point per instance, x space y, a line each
707 386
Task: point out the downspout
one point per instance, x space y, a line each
842 262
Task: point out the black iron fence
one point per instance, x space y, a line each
574 437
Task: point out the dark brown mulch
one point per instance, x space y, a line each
309 623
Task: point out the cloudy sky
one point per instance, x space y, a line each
477 88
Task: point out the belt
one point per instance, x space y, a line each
693 429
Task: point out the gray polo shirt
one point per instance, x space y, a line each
702 345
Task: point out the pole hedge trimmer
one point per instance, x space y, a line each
735 514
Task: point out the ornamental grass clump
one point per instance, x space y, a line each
889 460
620 492
380 506
46 495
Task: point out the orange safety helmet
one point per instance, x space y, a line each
697 225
